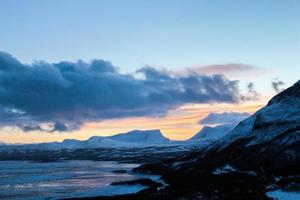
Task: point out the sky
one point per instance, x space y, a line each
155 64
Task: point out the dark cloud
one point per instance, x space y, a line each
27 126
58 126
67 94
251 94
276 84
61 127
30 127
224 118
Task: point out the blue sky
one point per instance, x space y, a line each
175 35
172 34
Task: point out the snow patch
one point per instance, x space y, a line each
283 195
224 170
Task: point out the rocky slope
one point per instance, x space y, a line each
262 152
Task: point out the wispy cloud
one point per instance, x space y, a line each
251 94
231 69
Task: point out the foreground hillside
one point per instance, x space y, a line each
262 153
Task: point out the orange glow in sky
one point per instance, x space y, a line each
179 124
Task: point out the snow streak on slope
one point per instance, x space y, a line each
213 133
269 141
281 114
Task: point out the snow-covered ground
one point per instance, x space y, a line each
224 170
282 195
281 113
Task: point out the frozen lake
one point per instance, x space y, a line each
52 180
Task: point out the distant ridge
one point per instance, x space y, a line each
213 133
266 143
132 139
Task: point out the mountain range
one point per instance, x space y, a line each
132 139
260 154
246 161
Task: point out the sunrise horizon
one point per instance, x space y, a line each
150 99
179 123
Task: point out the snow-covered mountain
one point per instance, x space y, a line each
132 139
212 133
137 136
281 115
264 146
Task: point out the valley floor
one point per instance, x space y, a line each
223 184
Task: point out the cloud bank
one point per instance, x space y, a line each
224 118
65 95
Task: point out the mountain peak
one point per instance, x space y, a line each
282 112
154 131
266 143
287 95
209 132
146 136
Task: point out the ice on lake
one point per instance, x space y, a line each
52 180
